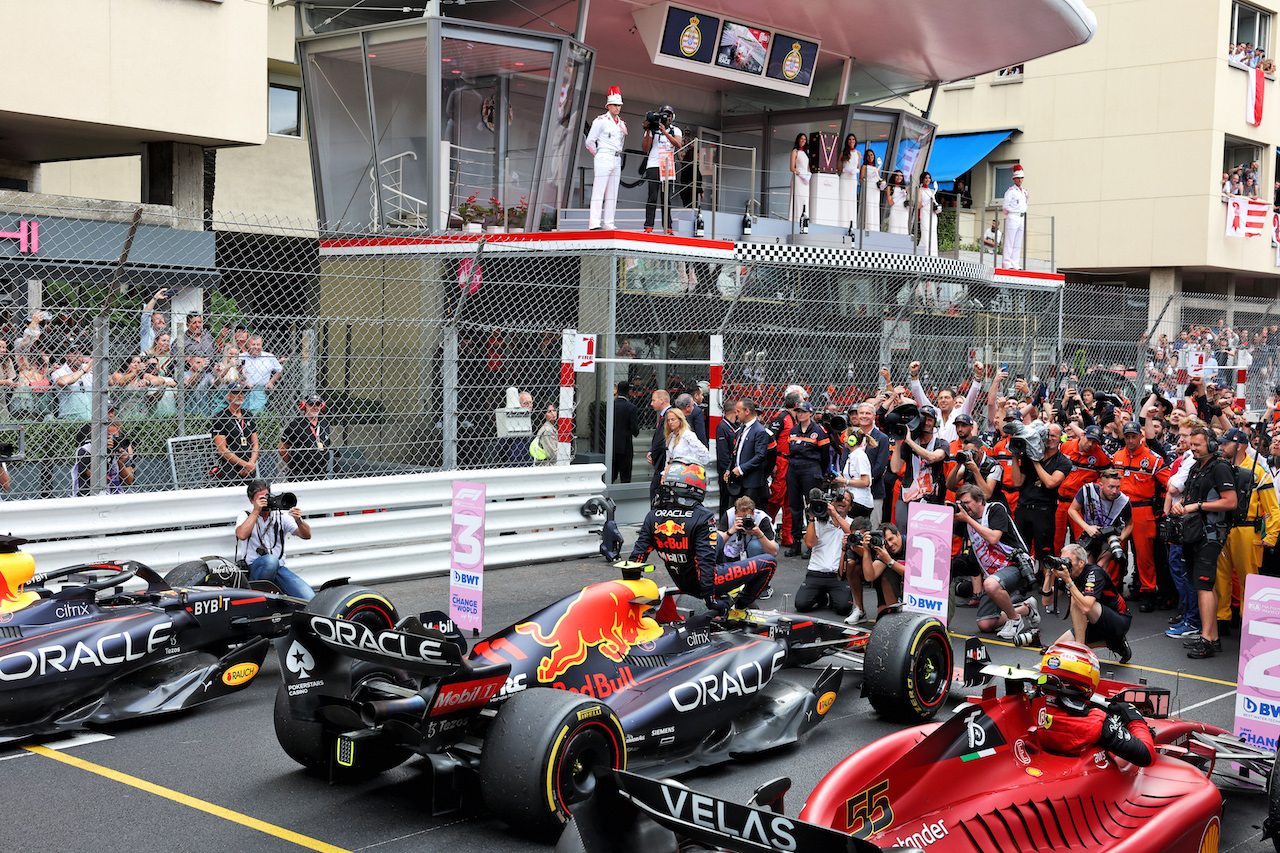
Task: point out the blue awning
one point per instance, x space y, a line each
954 155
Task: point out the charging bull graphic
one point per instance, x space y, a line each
602 616
16 568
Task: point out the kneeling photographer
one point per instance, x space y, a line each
997 554
826 525
748 532
1099 614
263 528
878 557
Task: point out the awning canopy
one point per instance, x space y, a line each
954 155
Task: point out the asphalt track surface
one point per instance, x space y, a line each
214 779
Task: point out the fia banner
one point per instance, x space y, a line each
925 586
466 555
1258 680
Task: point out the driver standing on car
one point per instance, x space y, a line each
684 534
1071 724
263 533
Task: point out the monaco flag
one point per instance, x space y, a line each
1253 97
1246 217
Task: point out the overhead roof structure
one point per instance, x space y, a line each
956 154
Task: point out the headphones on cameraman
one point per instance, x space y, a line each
1210 440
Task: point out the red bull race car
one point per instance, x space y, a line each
535 713
979 782
91 653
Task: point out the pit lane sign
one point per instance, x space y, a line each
924 587
1258 680
466 555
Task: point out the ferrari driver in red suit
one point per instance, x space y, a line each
1072 724
684 534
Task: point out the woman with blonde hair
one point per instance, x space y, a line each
856 473
682 443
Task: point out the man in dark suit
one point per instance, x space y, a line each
694 415
865 417
657 455
726 442
751 453
626 426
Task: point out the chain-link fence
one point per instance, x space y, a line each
436 351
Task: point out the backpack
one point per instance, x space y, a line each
536 451
1245 484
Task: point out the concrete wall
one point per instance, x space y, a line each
1122 138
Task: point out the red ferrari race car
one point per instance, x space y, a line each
980 782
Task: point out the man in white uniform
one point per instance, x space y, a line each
1015 212
606 140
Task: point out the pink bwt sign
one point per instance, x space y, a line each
925 585
1258 682
466 556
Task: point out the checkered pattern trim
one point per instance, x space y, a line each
773 253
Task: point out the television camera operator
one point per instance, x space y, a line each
998 554
1205 510
917 460
662 139
1039 469
263 528
1099 614
826 525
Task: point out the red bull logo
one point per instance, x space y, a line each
602 617
695 475
668 528
15 570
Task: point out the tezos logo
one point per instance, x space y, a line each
299 660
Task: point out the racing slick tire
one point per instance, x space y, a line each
188 574
356 603
543 754
907 667
309 744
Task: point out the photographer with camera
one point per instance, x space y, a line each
1099 614
1103 515
748 532
877 557
972 466
1143 472
1037 481
826 526
263 527
662 139
1205 510
994 547
808 465
917 461
119 458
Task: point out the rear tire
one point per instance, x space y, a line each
312 746
907 667
191 573
543 754
356 603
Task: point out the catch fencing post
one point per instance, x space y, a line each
564 445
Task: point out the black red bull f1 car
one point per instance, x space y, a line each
91 653
978 783
533 714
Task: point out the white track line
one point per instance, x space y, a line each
1182 711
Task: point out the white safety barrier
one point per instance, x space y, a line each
386 528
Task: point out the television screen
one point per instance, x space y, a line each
743 48
689 35
792 60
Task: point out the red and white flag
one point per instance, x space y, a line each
1246 217
1253 97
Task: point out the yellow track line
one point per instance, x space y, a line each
187 800
1111 662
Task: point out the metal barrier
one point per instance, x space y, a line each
368 529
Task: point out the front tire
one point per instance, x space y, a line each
543 755
907 667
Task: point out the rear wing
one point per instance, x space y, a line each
422 651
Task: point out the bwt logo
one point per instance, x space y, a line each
477 494
1260 708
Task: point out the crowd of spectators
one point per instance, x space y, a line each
47 372
1249 56
1245 180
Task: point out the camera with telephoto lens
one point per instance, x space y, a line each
963 457
1108 538
1054 564
1026 565
903 421
820 500
1027 439
282 501
655 119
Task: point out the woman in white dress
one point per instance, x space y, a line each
871 186
927 202
897 194
681 442
799 177
849 161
